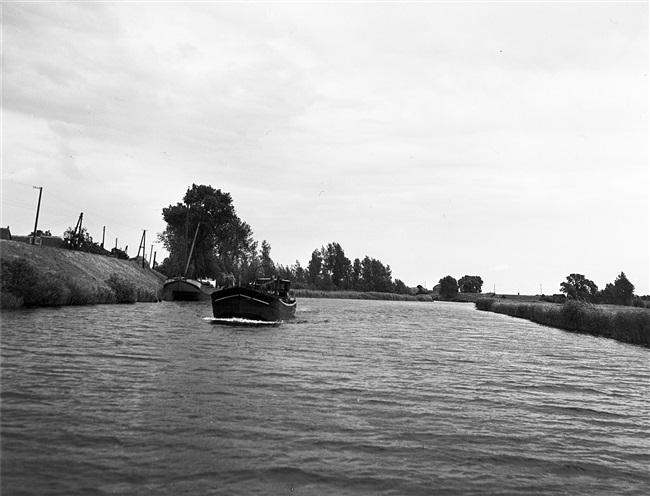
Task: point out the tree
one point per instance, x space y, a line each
337 265
80 241
298 274
375 276
470 284
619 293
265 255
224 243
356 275
314 268
623 290
400 287
578 287
448 287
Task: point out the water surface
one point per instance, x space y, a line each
353 397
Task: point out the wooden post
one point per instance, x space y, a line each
142 247
38 209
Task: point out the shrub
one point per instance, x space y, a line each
485 304
7 300
147 295
556 298
17 277
22 281
124 291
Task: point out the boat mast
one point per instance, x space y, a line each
187 266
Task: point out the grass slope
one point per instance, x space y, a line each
40 275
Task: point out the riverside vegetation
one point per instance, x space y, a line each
623 323
361 295
46 276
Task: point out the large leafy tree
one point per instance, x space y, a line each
470 284
206 218
578 287
448 287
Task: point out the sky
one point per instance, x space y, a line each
504 140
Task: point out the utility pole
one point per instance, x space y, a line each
103 235
142 247
76 237
38 209
150 252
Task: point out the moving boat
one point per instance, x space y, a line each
267 299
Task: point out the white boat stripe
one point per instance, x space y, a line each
242 296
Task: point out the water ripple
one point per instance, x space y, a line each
352 397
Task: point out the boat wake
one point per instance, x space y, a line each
235 321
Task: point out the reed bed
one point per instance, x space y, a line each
625 324
358 295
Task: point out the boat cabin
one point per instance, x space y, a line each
278 287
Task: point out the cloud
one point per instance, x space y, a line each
446 137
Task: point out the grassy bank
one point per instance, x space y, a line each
356 295
46 276
626 324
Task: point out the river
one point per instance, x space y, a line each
350 398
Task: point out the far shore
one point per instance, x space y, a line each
359 295
622 323
375 295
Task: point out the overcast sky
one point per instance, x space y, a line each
506 140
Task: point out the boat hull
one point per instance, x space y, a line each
246 303
183 289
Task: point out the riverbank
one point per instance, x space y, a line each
358 295
46 276
625 324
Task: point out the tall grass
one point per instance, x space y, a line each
23 284
626 324
359 295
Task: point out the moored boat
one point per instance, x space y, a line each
267 299
181 288
184 289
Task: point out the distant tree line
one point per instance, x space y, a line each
206 238
449 286
620 292
329 269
